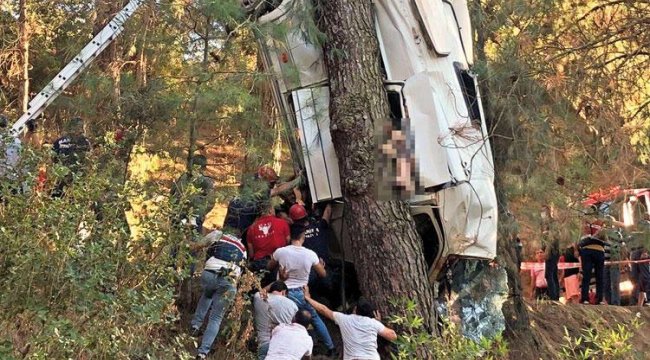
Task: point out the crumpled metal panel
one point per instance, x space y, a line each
478 291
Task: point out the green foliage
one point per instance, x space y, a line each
75 283
565 101
414 340
602 343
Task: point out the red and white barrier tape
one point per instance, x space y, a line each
564 265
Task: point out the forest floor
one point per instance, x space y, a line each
549 319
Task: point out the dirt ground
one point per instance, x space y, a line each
549 319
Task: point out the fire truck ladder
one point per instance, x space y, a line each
75 67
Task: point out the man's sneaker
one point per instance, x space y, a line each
194 332
332 353
585 303
201 356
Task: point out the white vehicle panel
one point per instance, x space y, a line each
425 122
436 30
464 25
311 109
472 235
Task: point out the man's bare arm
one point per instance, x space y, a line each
327 213
320 269
388 334
320 308
272 264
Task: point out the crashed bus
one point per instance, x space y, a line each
426 55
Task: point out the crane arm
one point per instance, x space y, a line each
75 67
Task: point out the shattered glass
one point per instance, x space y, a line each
477 290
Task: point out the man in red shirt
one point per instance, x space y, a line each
267 234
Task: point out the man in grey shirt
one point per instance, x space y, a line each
271 310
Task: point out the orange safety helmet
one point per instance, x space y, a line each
267 173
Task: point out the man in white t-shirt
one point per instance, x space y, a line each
270 311
291 341
359 330
298 261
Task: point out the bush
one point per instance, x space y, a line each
600 342
450 344
75 282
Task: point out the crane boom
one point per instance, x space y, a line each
75 67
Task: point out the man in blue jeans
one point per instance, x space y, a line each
225 258
298 261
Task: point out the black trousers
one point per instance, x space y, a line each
592 260
552 279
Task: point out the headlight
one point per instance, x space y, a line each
626 286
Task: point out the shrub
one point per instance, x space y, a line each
601 342
413 339
75 282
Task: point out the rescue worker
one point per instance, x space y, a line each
592 257
194 194
255 194
267 234
70 150
359 330
291 341
225 258
298 261
271 309
317 232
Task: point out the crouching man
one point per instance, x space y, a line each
271 310
225 256
359 330
298 262
291 341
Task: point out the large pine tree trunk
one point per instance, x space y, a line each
386 247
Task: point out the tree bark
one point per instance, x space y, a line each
386 247
23 23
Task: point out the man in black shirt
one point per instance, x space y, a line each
592 254
70 151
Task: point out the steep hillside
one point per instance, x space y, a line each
549 320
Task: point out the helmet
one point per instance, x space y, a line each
267 173
200 160
297 212
75 124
